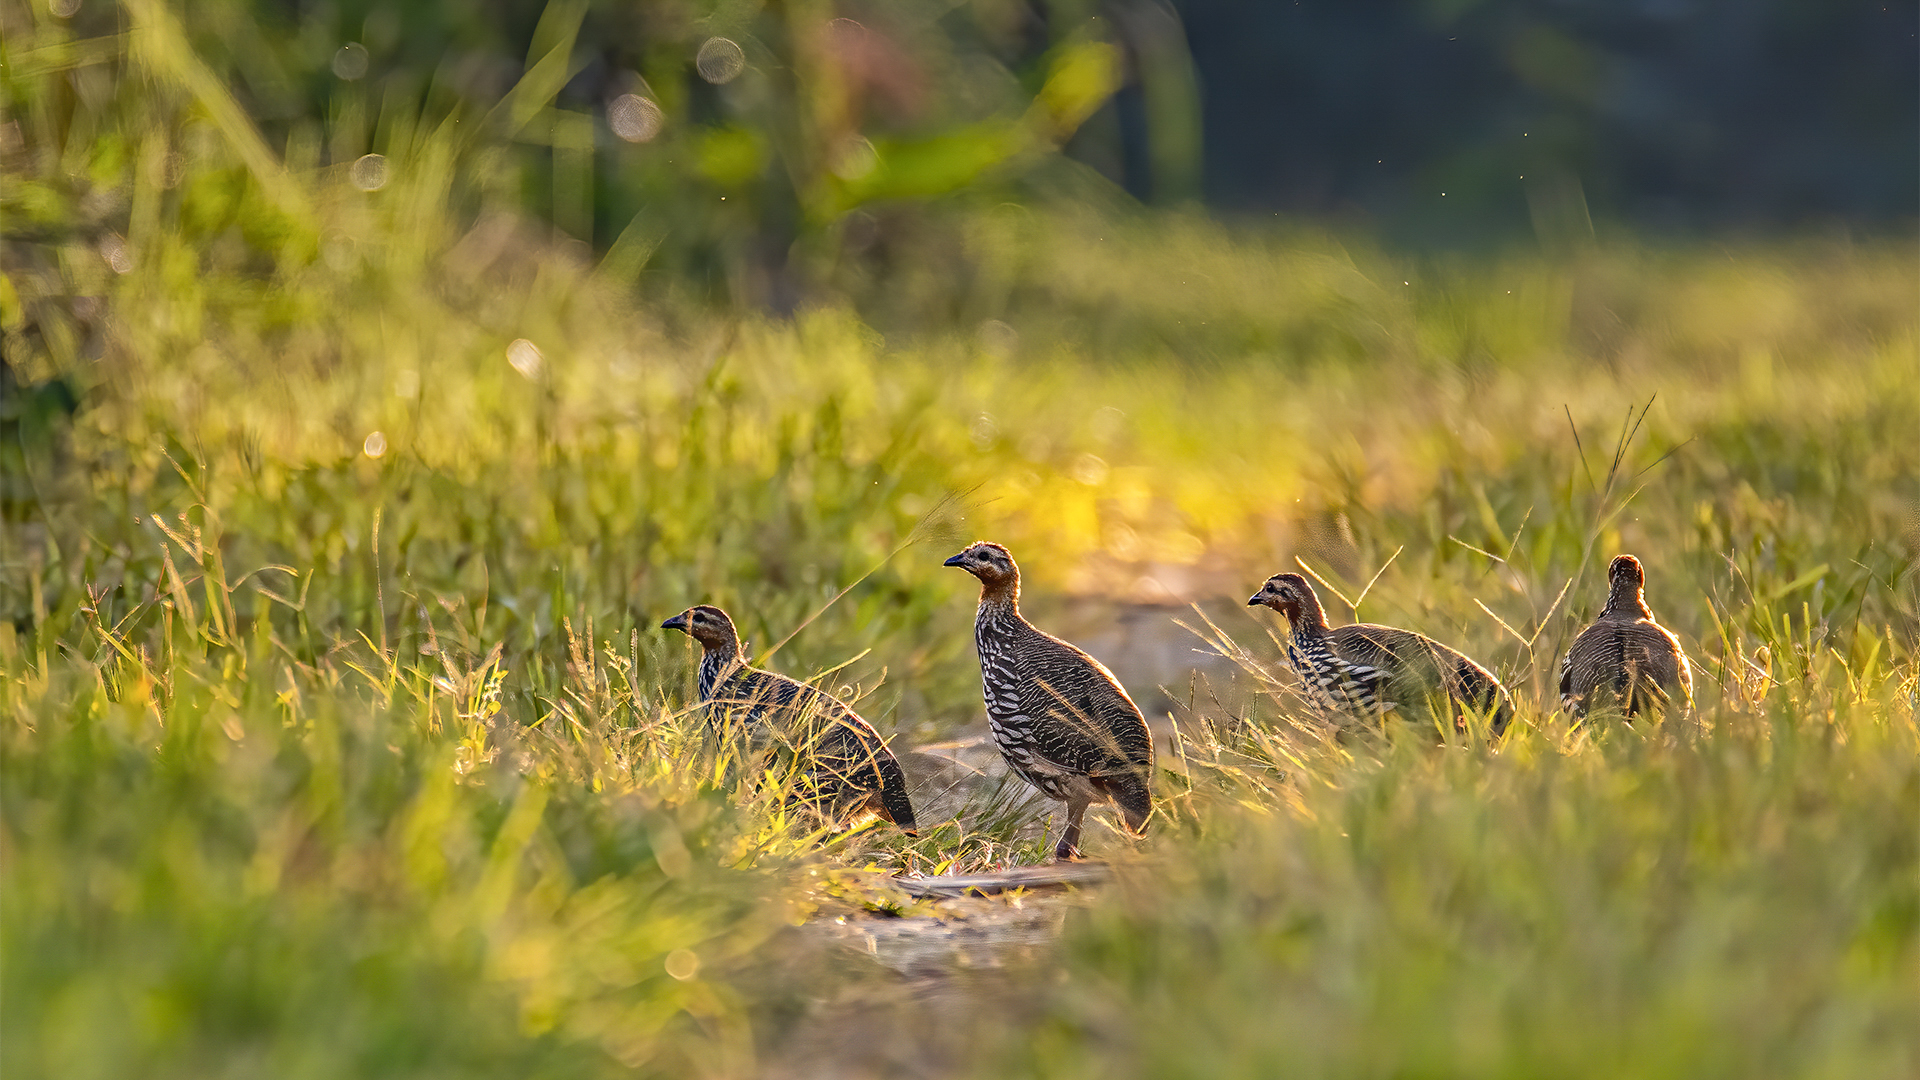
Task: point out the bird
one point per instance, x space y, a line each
1625 662
1366 670
847 764
1058 716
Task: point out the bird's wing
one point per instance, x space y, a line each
1686 668
1373 655
831 724
1665 660
1567 699
1103 731
836 741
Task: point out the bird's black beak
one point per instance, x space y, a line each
1255 602
955 561
678 622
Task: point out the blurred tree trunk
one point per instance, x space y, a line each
1170 89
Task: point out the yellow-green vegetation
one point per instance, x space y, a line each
337 738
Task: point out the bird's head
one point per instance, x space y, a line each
1626 588
705 624
1290 595
991 563
1625 573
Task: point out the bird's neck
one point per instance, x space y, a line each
999 602
721 653
717 665
1310 623
1626 602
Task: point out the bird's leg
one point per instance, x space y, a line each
1069 846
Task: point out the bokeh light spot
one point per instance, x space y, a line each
997 338
525 357
984 431
1089 469
720 60
114 250
683 964
369 173
855 159
634 118
350 62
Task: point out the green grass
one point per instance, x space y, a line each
322 761
1730 898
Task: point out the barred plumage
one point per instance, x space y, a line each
1365 670
846 762
1629 661
1060 718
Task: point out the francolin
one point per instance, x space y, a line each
846 764
1060 718
1625 662
1366 670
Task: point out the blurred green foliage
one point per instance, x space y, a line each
341 498
718 149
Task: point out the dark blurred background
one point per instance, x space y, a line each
1694 115
1689 115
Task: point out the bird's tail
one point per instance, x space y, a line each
1502 716
1485 694
895 806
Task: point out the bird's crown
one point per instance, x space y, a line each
704 623
1626 570
985 558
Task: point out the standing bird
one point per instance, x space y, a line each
847 764
1062 721
1367 670
1632 662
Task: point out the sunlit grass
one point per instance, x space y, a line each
1716 901
332 754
